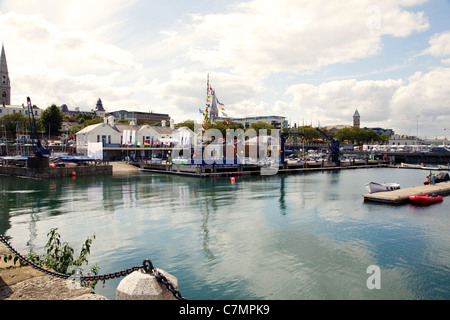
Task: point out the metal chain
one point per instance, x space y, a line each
147 267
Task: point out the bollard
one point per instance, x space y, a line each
141 285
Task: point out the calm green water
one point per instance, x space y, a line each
303 236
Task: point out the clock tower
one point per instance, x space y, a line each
5 85
356 119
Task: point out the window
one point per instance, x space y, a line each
98 138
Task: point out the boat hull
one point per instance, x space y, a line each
374 187
425 199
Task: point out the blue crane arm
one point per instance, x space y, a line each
334 146
37 145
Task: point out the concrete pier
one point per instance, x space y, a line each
217 171
401 196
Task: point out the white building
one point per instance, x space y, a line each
118 141
403 140
7 109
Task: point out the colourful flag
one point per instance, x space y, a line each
224 114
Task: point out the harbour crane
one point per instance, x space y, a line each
38 148
334 146
283 137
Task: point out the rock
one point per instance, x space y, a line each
92 296
143 286
42 288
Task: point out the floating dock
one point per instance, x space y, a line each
401 196
218 171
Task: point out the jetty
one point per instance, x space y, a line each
218 171
401 196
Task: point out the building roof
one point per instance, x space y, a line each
356 113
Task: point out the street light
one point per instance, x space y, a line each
418 116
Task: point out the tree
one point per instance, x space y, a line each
51 120
11 122
188 123
262 125
358 135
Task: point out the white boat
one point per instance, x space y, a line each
407 165
381 187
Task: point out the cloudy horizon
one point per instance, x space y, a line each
314 62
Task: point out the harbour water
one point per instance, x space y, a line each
285 237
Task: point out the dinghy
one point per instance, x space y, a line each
426 199
381 187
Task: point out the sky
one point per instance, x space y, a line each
313 62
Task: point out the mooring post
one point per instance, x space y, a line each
141 285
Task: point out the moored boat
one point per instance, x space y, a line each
381 187
426 199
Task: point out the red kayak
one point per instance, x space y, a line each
425 199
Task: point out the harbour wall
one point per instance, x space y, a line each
57 172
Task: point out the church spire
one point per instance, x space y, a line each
3 64
5 86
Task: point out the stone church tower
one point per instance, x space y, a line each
5 85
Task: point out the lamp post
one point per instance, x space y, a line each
418 116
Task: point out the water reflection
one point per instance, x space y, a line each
305 236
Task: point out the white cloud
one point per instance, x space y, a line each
69 53
390 103
335 102
427 95
263 37
43 59
439 45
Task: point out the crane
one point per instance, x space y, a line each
39 149
334 146
283 136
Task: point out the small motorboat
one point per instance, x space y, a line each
381 187
437 178
426 199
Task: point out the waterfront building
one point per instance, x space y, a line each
141 141
437 141
98 111
139 118
404 140
7 109
277 121
381 131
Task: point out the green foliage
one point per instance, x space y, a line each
51 120
60 257
262 126
188 123
94 120
358 135
10 122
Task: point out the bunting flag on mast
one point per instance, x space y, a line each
211 99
